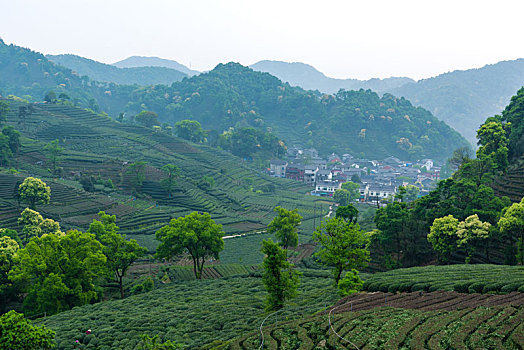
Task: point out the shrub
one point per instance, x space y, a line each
462 287
476 287
508 288
420 287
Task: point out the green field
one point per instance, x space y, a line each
194 313
95 145
390 328
461 278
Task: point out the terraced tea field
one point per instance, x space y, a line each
499 327
461 278
98 146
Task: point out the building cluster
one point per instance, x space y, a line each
378 179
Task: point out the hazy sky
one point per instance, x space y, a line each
353 39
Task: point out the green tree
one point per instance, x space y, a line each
120 252
53 153
350 283
348 213
443 237
342 197
353 189
8 249
494 144
137 175
197 234
5 150
14 138
279 278
412 193
154 343
172 172
391 221
16 333
30 221
34 191
470 232
285 227
50 97
342 245
57 272
511 226
147 119
190 130
4 109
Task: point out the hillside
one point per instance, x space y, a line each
360 123
309 78
108 73
98 146
465 98
228 314
141 61
356 122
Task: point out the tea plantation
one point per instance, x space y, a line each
193 313
461 278
96 145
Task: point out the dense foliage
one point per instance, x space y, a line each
16 333
357 122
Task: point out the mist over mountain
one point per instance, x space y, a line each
104 72
465 98
142 61
309 78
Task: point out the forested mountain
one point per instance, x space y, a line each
141 61
309 78
356 122
465 98
108 73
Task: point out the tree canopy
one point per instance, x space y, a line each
34 191
342 245
280 280
58 271
16 333
285 227
196 234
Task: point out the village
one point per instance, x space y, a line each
379 180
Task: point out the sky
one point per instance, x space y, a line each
343 39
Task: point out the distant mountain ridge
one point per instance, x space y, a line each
104 72
234 96
143 61
309 78
465 98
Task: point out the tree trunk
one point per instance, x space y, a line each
120 282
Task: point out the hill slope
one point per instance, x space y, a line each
141 61
464 99
309 78
98 146
357 122
108 73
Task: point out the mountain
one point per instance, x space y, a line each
233 96
108 73
309 78
142 61
465 98
356 122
